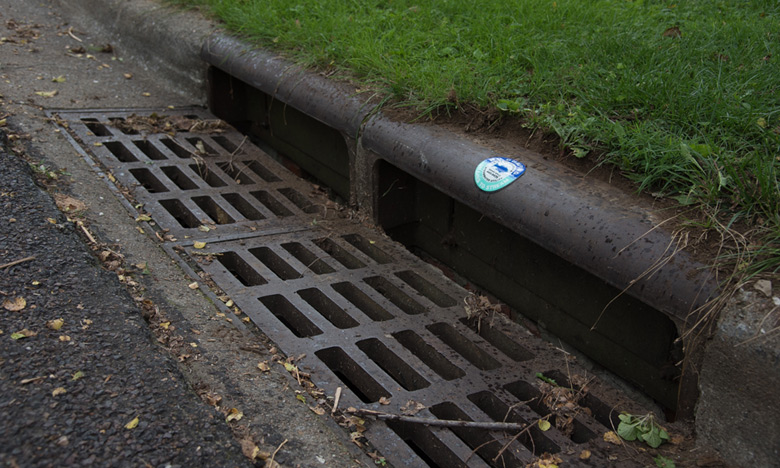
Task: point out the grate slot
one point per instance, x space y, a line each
534 439
118 122
203 148
503 343
177 177
367 247
337 252
242 206
327 308
180 213
428 354
211 208
528 394
240 269
271 203
480 441
306 257
207 176
177 149
425 445
97 128
361 300
600 410
463 346
395 295
353 376
393 365
275 263
237 175
291 317
262 171
151 183
151 151
120 151
424 287
226 144
303 203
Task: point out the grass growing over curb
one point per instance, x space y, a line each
683 97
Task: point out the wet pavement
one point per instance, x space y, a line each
107 357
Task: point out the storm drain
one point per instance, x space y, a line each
369 316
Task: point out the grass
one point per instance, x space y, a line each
683 97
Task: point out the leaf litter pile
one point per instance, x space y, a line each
156 123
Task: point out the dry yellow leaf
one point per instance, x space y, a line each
165 325
193 285
128 75
58 79
143 217
199 245
317 410
229 303
263 366
64 338
15 304
544 425
585 454
146 94
55 324
234 415
132 424
23 334
58 391
77 375
47 94
612 438
290 367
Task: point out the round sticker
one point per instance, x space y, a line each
496 173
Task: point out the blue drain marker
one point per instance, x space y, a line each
496 173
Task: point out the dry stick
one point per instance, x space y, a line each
492 426
275 451
86 231
336 400
16 262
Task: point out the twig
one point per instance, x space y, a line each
70 33
336 400
271 463
89 236
16 262
492 426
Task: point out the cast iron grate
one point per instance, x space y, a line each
369 316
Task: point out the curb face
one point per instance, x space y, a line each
589 224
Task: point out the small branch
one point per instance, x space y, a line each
271 463
70 33
16 262
491 426
86 231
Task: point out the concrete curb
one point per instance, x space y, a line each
588 223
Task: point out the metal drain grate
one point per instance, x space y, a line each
368 315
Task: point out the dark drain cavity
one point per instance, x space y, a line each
327 308
240 269
362 301
291 317
353 375
463 346
428 354
395 295
393 365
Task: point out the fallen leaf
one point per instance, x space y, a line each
585 454
384 401
194 345
55 324
764 286
128 75
58 391
412 407
47 94
146 94
234 415
317 410
204 228
193 285
263 366
199 245
674 31
212 398
23 334
544 425
34 379
58 79
301 398
143 217
64 338
290 367
165 325
15 305
229 303
132 424
612 438
77 375
249 449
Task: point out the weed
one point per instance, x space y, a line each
644 428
